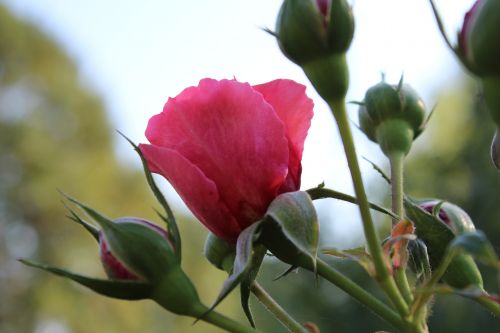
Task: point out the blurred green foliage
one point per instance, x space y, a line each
54 134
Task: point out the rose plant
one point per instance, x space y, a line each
233 153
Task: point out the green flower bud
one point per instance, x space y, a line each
478 40
462 271
312 29
393 116
219 252
451 215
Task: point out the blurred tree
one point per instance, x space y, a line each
54 134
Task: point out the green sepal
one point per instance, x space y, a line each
419 260
127 290
219 253
477 245
141 249
340 27
247 262
87 226
291 230
169 218
302 36
357 254
436 235
177 294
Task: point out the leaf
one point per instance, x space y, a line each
476 244
291 229
379 170
436 235
357 254
246 265
141 249
323 193
169 219
127 290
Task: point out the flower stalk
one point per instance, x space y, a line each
385 279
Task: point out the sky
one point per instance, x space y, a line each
136 54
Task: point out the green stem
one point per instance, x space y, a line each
385 279
396 160
291 324
397 194
223 322
361 295
491 305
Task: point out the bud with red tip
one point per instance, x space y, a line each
478 40
115 269
462 271
316 34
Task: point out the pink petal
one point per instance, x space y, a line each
234 137
295 109
198 192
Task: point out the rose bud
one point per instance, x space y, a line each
312 29
462 271
393 116
478 40
451 215
316 34
114 268
229 149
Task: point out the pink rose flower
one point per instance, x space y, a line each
229 148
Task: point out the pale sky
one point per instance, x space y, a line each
136 54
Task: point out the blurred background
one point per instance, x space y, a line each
72 72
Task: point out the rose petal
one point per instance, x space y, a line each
233 136
295 109
198 192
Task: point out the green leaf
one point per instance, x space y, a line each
246 265
291 229
169 219
141 249
379 170
436 235
476 244
127 290
357 254
323 193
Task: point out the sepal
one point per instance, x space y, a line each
290 229
126 290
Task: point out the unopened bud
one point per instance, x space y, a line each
478 39
451 215
114 267
393 116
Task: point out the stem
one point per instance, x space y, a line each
291 324
491 305
386 280
396 160
224 322
361 295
